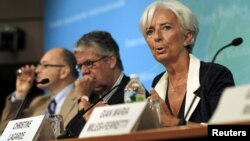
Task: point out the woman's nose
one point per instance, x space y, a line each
157 35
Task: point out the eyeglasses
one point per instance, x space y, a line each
49 65
89 64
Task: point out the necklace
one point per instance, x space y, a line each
175 97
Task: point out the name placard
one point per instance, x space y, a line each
234 106
26 129
118 119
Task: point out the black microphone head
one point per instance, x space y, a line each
43 81
237 41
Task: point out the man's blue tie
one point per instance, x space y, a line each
52 107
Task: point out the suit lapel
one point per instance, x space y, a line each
193 84
70 107
38 106
118 96
161 86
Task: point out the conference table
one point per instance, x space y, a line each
168 133
189 132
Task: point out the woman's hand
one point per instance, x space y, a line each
166 118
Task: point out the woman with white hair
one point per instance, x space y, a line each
189 89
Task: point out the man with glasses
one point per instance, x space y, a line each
98 59
56 73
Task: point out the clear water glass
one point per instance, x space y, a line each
56 123
155 106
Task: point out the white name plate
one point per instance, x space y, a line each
26 129
119 119
234 106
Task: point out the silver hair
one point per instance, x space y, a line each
185 16
103 42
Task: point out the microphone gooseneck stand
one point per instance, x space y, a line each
70 132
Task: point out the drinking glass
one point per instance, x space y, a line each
154 105
56 123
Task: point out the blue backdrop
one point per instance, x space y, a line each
220 21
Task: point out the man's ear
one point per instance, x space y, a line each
112 61
64 72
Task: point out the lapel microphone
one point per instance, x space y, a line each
43 81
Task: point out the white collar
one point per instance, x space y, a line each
193 83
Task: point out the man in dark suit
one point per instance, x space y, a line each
57 65
98 59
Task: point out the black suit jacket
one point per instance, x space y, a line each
117 97
210 90
76 125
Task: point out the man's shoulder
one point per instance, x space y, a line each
42 97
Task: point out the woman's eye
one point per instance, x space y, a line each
149 32
166 27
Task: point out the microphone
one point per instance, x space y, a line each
43 81
235 42
71 131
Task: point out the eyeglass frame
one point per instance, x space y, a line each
89 64
49 65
